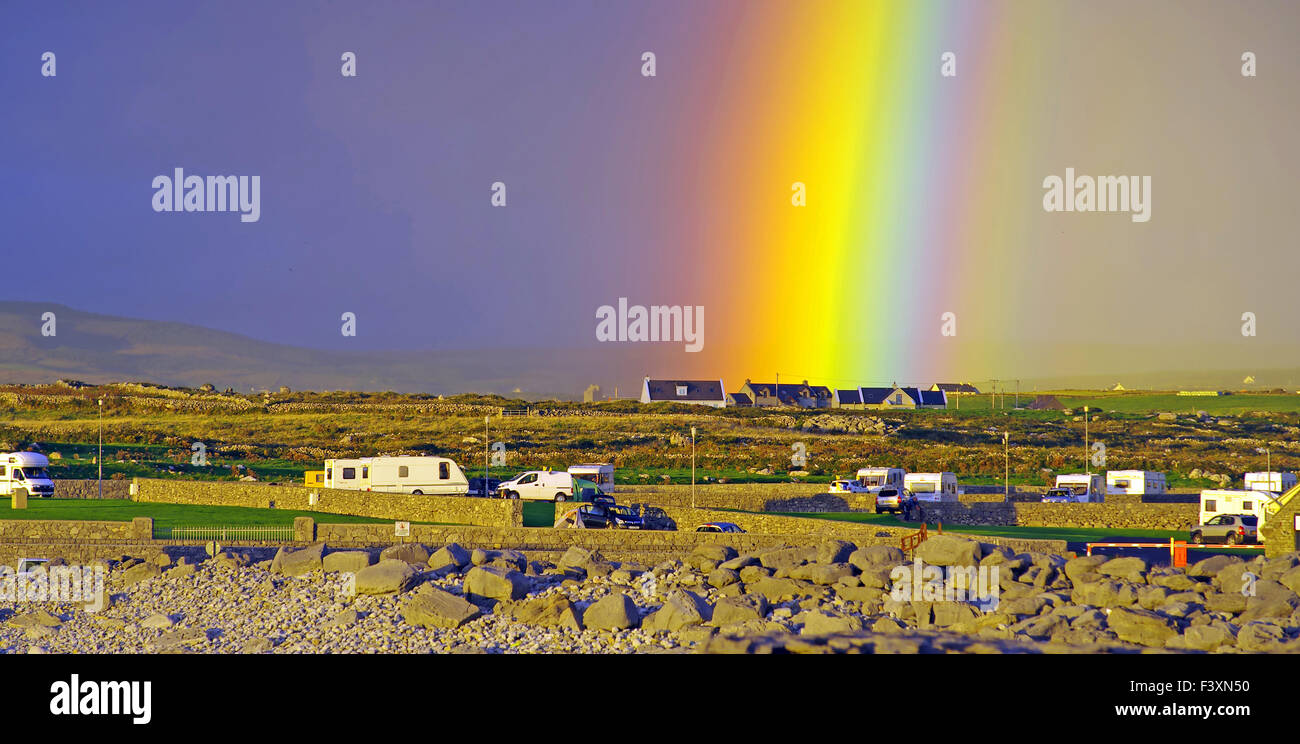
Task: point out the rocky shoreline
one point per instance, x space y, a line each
829 597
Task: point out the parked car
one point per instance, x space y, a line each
603 512
890 499
1229 529
719 527
476 487
847 486
1058 496
539 485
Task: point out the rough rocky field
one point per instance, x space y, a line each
827 597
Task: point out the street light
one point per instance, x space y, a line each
100 459
486 448
692 467
1006 461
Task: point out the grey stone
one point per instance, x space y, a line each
732 610
386 577
835 551
435 608
412 553
298 562
1130 568
141 572
949 550
876 556
1140 626
450 556
345 561
495 583
615 611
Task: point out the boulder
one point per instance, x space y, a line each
345 561
720 577
835 551
828 573
739 562
33 619
816 622
230 559
1212 566
1233 577
787 557
680 609
1105 594
181 570
775 590
716 553
156 621
555 611
495 583
1140 626
344 619
876 556
615 611
578 557
1129 568
413 553
949 550
434 608
953 613
298 562
141 572
1079 569
386 577
754 573
1291 580
1260 636
450 556
732 610
1206 637
861 594
1177 581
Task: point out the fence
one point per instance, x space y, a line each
516 412
255 533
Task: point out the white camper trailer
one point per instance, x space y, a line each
932 486
1219 501
417 475
602 474
1085 487
1270 481
874 479
1138 482
25 470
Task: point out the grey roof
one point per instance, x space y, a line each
741 399
849 397
956 387
696 390
932 398
874 395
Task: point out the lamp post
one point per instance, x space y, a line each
486 448
692 467
1087 461
1006 461
100 460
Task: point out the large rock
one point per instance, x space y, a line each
1129 568
732 610
1291 579
708 557
1206 637
579 557
1232 602
298 562
1105 594
1213 565
345 561
787 558
720 577
680 609
835 551
490 582
1236 576
1176 580
1261 636
1140 626
412 553
949 550
386 577
33 619
775 590
141 572
555 611
1084 568
876 556
434 608
816 622
450 556
616 611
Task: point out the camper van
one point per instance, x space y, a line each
874 479
1138 482
602 474
1084 487
417 475
25 470
931 486
539 485
1270 481
1216 502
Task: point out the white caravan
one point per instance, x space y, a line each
602 474
1085 487
932 486
874 479
1216 501
1134 481
1270 481
417 475
25 470
538 485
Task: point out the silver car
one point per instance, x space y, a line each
890 499
1229 529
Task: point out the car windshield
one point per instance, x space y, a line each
35 472
1250 521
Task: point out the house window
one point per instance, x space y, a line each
1211 505
898 399
1248 506
681 391
2 470
444 471
349 473
403 471
329 473
365 472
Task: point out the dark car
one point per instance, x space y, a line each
476 486
719 527
605 513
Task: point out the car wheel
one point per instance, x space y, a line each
1231 539
1197 539
559 498
417 492
514 495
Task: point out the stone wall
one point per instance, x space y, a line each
57 530
395 506
1104 515
88 488
1280 535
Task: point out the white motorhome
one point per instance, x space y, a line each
1223 501
874 479
1134 481
538 485
27 470
1270 481
411 474
602 474
931 486
1085 487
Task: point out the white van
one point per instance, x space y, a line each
931 486
1270 481
27 470
1222 501
417 475
1085 487
602 474
1138 482
538 485
874 479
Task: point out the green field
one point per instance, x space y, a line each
169 515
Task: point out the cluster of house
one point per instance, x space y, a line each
800 394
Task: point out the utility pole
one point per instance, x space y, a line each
1087 461
692 467
1017 393
1006 459
486 447
100 459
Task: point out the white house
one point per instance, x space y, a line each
694 392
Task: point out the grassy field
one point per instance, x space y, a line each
169 515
